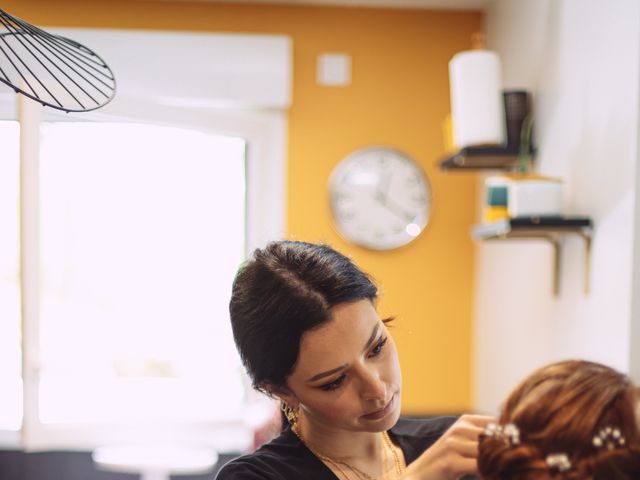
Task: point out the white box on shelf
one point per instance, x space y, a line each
535 197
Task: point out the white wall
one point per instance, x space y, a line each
580 59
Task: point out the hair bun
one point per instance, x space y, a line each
499 459
575 419
605 464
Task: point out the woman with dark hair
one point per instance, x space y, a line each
572 420
305 323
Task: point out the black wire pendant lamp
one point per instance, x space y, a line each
56 71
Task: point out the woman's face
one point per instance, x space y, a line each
348 375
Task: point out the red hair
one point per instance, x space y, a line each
559 409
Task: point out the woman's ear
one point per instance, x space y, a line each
281 393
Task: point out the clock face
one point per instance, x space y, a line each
380 198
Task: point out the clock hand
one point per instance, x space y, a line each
394 208
382 188
399 210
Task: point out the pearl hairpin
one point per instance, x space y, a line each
509 431
609 438
558 461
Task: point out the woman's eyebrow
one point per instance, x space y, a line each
320 375
327 373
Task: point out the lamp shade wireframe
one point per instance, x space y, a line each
56 71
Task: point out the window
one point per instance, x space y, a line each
140 238
10 356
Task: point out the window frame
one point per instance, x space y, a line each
265 136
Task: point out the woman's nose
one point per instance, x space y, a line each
373 387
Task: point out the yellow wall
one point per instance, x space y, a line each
398 97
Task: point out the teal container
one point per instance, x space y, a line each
497 195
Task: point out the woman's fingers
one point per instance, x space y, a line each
480 421
454 454
470 426
465 466
463 447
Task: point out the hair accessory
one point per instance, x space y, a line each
559 462
509 431
609 438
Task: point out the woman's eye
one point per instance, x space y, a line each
378 348
333 385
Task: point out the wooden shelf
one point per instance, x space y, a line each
482 158
550 229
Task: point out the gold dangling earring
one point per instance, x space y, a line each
290 413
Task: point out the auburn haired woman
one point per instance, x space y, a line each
305 323
572 420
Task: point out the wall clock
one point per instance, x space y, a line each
380 198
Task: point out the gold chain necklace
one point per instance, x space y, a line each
399 463
359 473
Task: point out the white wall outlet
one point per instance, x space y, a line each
333 69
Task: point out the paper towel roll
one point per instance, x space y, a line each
476 98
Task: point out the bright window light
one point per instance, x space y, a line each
10 362
142 231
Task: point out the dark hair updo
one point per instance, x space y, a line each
558 411
286 289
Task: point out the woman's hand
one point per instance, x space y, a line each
454 455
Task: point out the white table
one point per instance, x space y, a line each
155 462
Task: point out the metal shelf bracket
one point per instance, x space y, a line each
552 230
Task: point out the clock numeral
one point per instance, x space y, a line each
347 179
415 179
340 197
346 216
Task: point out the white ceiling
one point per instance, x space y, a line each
419 4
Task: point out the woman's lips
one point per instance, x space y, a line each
383 412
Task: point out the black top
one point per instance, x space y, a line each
287 458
